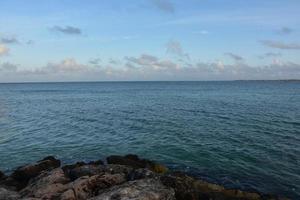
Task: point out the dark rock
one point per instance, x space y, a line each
97 162
25 173
141 173
135 162
183 187
2 175
85 170
8 195
188 188
144 189
126 160
91 170
79 169
118 169
69 169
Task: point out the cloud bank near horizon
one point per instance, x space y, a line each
148 67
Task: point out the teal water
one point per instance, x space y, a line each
242 134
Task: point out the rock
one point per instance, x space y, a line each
2 175
135 162
8 195
68 168
141 174
25 173
68 195
10 184
91 170
128 160
97 162
47 185
183 187
117 169
188 188
145 189
85 170
86 187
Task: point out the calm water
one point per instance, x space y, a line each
240 134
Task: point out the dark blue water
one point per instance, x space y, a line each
240 134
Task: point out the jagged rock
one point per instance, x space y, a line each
97 162
135 162
141 174
86 187
145 189
47 185
69 169
2 175
91 169
8 195
188 188
117 169
68 195
85 170
25 173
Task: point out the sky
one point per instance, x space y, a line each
149 40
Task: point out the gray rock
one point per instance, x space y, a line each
86 187
8 195
91 170
144 189
47 185
141 174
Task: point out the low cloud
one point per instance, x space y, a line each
150 67
164 5
284 31
235 56
143 60
69 30
95 61
9 40
270 55
29 42
69 65
174 47
8 67
280 45
3 50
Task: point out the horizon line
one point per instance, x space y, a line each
128 81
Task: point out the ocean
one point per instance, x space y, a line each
242 134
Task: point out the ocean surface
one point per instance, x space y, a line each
242 134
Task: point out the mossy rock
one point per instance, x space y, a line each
158 168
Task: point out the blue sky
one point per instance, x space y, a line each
92 40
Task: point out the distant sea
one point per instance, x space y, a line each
242 134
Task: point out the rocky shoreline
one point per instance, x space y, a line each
119 178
